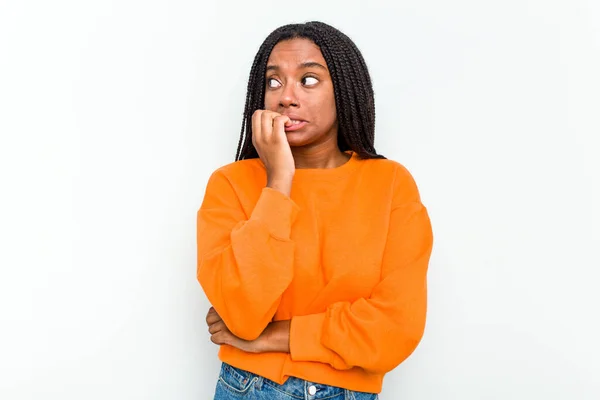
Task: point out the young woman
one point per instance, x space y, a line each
312 248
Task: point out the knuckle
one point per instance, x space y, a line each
269 115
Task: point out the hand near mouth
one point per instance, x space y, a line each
269 139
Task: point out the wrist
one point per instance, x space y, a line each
275 338
281 182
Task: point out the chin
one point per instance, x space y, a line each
297 139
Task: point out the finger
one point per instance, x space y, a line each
217 339
267 125
211 310
279 123
217 327
222 337
212 316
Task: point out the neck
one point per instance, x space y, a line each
325 155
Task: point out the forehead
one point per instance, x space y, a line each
290 53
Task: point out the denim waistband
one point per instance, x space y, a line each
241 381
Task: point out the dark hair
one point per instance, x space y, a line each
353 91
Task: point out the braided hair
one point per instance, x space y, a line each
353 91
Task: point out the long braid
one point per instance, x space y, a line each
354 100
353 90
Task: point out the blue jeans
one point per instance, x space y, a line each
235 383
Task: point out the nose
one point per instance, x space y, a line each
288 96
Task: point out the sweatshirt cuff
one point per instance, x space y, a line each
277 211
305 338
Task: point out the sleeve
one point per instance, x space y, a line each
379 332
244 264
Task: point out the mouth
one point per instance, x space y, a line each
295 125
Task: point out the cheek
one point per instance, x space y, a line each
332 109
270 102
329 104
327 111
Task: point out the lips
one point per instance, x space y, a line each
295 125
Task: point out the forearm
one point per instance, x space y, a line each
275 338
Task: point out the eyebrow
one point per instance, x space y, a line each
309 64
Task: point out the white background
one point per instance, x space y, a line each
114 113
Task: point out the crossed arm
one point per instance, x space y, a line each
275 338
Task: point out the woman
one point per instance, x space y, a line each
312 248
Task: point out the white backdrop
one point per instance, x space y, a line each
114 113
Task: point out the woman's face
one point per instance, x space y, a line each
298 85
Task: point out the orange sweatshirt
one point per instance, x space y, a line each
344 257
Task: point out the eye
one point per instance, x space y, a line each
310 80
273 83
